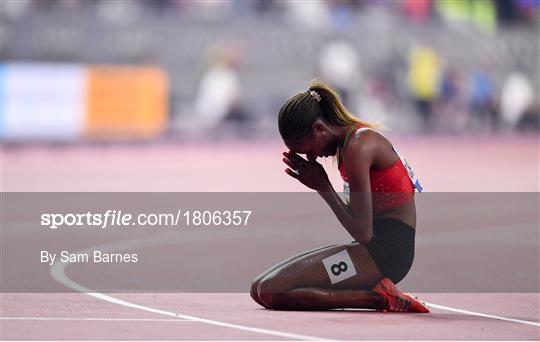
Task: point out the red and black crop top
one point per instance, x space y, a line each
390 187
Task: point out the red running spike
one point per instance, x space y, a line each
397 301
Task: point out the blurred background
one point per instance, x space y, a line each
185 76
183 96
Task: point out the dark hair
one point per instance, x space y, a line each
298 113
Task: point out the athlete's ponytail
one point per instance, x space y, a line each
298 113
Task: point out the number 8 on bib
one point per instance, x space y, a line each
339 267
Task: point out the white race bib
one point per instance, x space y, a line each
415 181
339 266
347 192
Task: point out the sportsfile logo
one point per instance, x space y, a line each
119 218
102 220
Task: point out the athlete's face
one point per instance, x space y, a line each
319 143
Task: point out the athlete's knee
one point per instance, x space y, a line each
275 301
256 280
271 292
254 292
271 300
253 289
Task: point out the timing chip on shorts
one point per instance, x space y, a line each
339 266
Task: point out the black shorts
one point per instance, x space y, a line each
392 248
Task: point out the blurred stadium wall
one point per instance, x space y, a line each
80 70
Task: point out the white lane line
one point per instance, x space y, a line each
59 274
479 314
176 320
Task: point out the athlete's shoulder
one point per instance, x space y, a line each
365 138
364 133
363 141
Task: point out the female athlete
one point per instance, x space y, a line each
379 213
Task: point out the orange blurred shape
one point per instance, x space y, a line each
126 102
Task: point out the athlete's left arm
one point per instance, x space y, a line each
358 158
357 217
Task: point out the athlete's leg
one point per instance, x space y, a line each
255 283
304 284
314 298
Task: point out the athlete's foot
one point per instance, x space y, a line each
397 301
